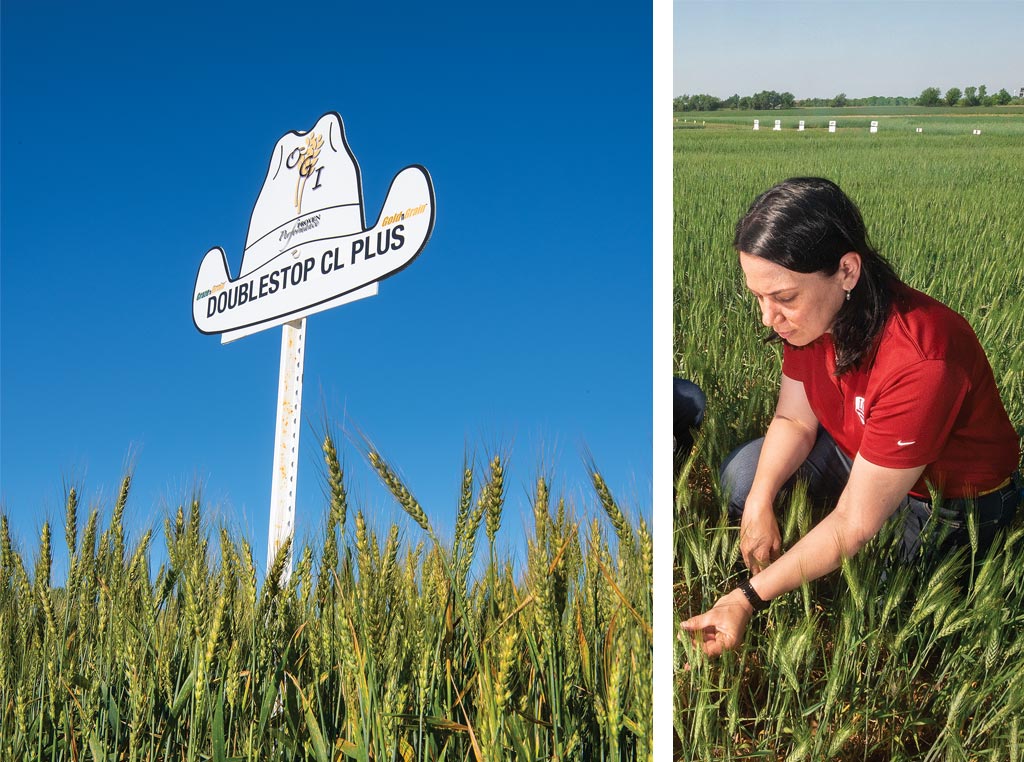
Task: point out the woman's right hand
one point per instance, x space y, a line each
760 541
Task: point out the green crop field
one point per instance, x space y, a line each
375 649
853 666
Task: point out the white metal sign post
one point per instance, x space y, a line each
308 249
286 441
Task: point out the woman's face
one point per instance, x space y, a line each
799 307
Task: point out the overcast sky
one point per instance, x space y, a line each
860 47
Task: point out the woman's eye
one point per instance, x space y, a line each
784 300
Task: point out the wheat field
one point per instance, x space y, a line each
857 665
376 648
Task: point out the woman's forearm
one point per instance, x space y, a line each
817 553
871 496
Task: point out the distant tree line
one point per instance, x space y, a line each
766 100
769 100
971 96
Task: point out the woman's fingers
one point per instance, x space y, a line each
698 622
706 633
760 552
715 646
756 556
760 541
707 637
750 547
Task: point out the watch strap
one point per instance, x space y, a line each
758 603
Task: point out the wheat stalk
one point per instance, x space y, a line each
400 492
306 165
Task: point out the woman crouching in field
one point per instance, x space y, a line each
884 392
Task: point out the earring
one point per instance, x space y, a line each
847 294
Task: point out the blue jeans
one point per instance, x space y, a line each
826 471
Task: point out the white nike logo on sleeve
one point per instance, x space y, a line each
901 443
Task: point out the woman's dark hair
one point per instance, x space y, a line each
807 224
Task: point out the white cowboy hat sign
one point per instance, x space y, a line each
308 248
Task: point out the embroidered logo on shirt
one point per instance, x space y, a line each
901 443
858 405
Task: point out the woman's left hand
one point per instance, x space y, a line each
722 627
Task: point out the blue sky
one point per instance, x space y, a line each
135 138
860 47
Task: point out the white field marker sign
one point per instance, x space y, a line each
977 132
874 127
920 129
800 127
308 249
832 125
778 125
757 124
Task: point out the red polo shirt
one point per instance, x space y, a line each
927 397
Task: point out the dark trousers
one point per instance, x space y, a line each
826 471
688 403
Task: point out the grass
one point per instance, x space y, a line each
852 666
374 649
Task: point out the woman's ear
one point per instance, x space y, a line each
850 268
